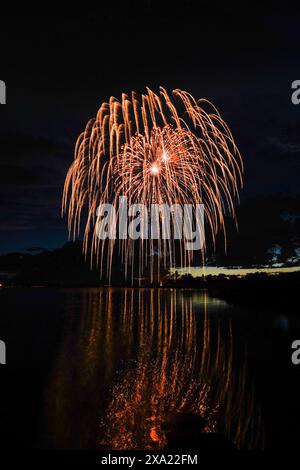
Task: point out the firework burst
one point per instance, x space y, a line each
158 149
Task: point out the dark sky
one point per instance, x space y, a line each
59 69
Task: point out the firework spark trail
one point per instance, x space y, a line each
160 149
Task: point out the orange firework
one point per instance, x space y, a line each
157 149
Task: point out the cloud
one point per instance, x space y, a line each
284 147
28 160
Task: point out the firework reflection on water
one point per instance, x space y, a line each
139 354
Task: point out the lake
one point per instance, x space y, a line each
102 367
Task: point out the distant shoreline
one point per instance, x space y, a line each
234 271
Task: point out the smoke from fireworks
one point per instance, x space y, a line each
157 149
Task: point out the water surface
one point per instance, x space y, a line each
91 368
131 356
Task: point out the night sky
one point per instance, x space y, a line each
59 69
